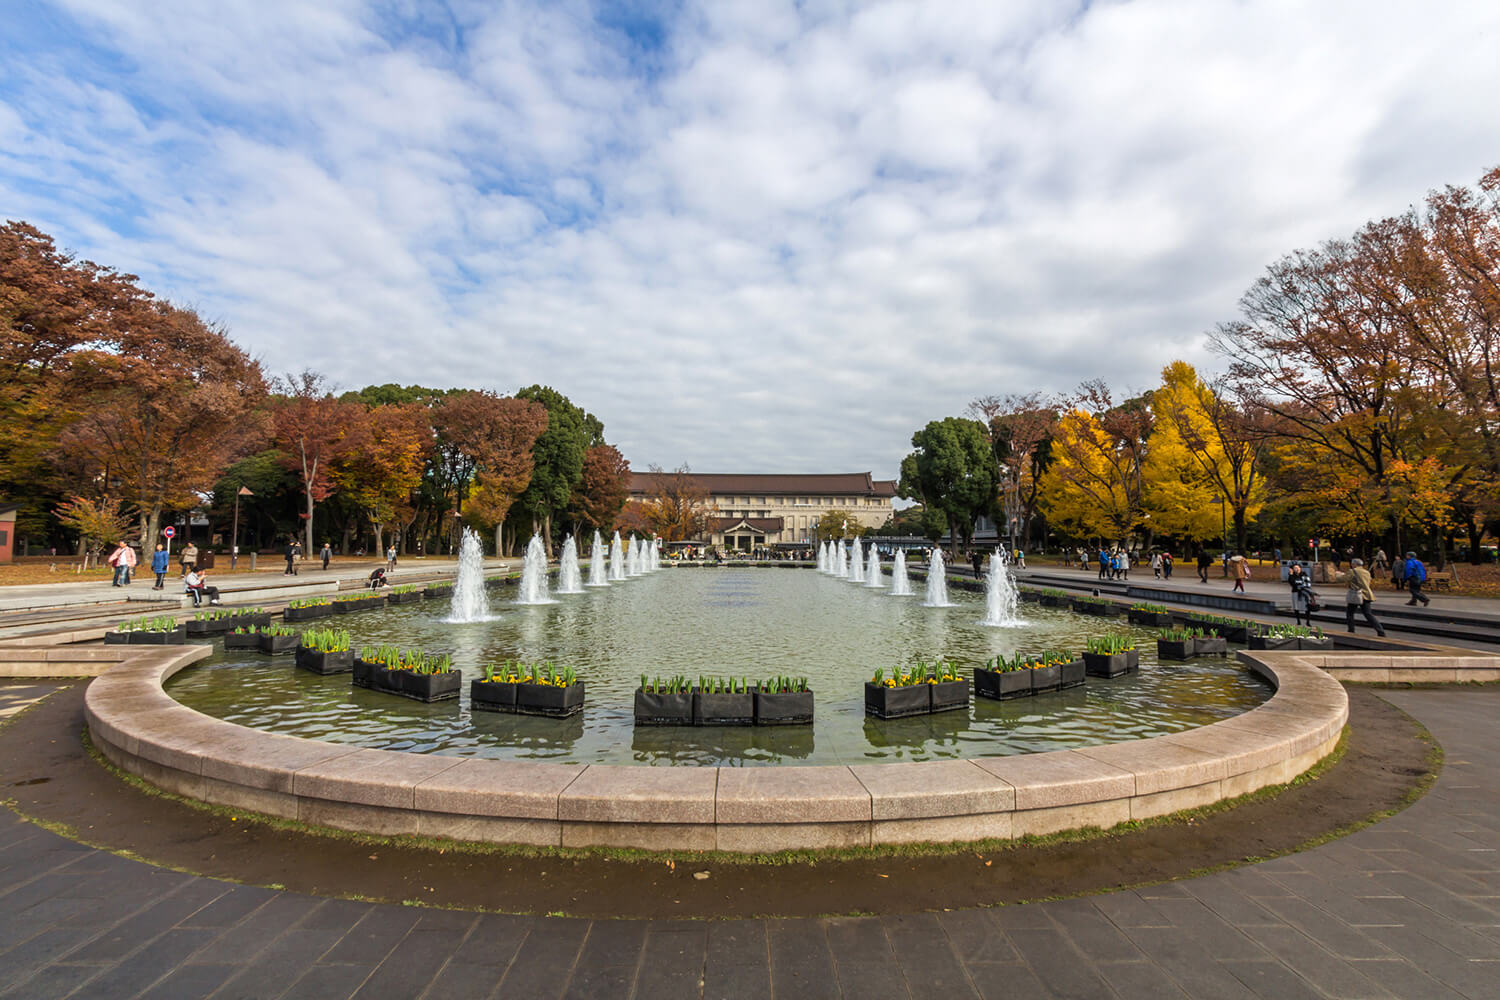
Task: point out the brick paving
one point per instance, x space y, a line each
1407 908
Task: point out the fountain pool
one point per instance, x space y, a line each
749 622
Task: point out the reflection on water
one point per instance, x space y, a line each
737 622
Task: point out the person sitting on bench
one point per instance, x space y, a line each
377 578
198 587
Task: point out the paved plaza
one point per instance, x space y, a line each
1409 907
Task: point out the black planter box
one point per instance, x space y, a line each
1002 685
1235 633
1053 601
365 671
318 662
362 604
422 687
897 702
1312 642
1073 675
949 696
409 597
214 626
1157 619
278 643
1046 678
653 709
1094 608
723 709
1175 649
1211 644
307 614
1111 664
175 637
241 640
549 699
1028 597
1266 642
444 591
492 696
786 708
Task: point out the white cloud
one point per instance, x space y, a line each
784 239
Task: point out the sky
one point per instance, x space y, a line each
749 236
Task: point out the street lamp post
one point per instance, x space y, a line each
234 533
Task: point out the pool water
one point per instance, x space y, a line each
740 622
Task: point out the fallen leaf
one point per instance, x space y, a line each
885 876
700 876
988 863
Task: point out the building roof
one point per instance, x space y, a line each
804 484
766 524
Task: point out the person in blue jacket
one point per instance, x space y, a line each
1415 574
159 566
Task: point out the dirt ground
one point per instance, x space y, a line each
47 774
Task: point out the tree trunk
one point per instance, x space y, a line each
1240 530
499 538
309 546
379 538
1475 533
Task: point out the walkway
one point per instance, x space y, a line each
1407 908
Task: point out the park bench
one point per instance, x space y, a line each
1440 581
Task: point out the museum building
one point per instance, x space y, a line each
753 511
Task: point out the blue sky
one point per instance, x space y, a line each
750 236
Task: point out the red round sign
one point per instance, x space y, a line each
169 531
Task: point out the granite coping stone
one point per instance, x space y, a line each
371 777
816 794
497 788
612 793
1059 778
1160 765
927 789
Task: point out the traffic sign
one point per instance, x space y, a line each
169 531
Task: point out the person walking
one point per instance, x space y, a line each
1166 565
1415 574
977 560
1156 565
1104 564
128 560
1241 569
1382 563
1204 561
1360 596
117 560
390 558
189 558
326 554
291 558
1302 594
159 566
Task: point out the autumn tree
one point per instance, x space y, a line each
603 489
678 507
1096 483
1204 451
953 469
836 524
384 462
485 448
98 522
557 456
314 430
1020 431
168 410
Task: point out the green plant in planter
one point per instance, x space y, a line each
350 598
1054 592
404 588
1049 658
1090 599
784 685
1147 608
148 623
308 602
1110 644
1002 664
326 640
1180 633
275 630
669 685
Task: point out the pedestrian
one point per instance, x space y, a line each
159 566
1303 597
1204 561
196 582
1104 563
390 558
1020 558
977 560
1083 559
291 557
128 560
1415 574
326 554
1359 596
1156 565
189 558
117 560
1382 563
1166 565
1241 568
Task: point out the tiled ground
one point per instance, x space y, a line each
1408 908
